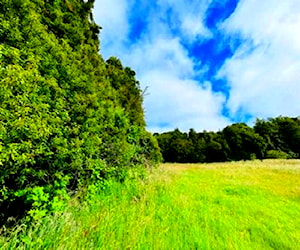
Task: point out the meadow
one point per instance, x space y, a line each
234 205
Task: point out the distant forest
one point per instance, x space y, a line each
273 138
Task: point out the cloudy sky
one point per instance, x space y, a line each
207 63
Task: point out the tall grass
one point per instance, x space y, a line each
243 205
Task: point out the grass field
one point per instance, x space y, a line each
239 205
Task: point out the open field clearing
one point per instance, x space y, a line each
238 205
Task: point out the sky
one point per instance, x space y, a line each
206 64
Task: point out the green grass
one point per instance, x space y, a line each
242 205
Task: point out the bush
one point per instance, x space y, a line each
277 154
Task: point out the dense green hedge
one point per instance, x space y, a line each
63 122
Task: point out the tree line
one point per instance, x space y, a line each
272 138
69 120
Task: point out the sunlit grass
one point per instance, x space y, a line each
242 205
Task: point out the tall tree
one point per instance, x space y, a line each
282 134
243 142
127 90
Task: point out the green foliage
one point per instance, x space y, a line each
281 134
127 89
243 142
274 138
276 154
175 146
64 123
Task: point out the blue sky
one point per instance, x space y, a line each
207 63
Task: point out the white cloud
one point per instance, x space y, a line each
174 98
165 54
163 64
182 103
112 16
193 27
188 17
264 79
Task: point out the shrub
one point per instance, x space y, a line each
277 154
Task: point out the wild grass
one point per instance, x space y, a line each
239 205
